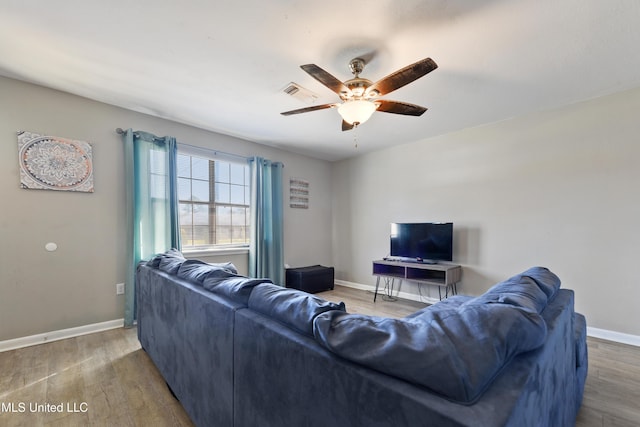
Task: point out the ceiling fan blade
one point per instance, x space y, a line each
396 107
403 77
346 126
308 109
326 79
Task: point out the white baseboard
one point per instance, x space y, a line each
591 331
60 335
613 336
355 285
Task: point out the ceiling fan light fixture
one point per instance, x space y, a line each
357 111
360 97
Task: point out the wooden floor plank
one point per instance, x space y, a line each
102 379
613 384
121 386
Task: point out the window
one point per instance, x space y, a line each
214 202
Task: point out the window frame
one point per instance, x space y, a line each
216 156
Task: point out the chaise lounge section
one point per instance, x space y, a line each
244 352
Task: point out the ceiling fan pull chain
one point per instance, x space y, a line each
355 136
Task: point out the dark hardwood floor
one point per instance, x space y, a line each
106 379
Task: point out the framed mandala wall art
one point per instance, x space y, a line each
53 163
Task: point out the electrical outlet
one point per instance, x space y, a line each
119 288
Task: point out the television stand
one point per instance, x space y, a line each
442 275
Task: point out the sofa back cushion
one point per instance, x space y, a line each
237 288
548 282
530 290
171 264
521 292
171 254
456 352
196 271
450 303
294 308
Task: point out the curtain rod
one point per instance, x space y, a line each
120 131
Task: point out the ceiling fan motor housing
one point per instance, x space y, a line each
357 88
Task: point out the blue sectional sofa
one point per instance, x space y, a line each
244 352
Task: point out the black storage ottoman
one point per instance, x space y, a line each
312 279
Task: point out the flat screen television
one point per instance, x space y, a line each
427 242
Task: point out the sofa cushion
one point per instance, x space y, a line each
171 264
530 290
456 353
519 291
196 270
171 253
548 282
237 288
294 308
453 302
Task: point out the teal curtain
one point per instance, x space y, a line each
152 204
266 253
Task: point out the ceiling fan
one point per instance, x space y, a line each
360 96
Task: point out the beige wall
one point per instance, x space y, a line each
44 291
557 188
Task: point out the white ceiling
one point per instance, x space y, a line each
221 65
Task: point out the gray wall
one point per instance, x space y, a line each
557 188
44 291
